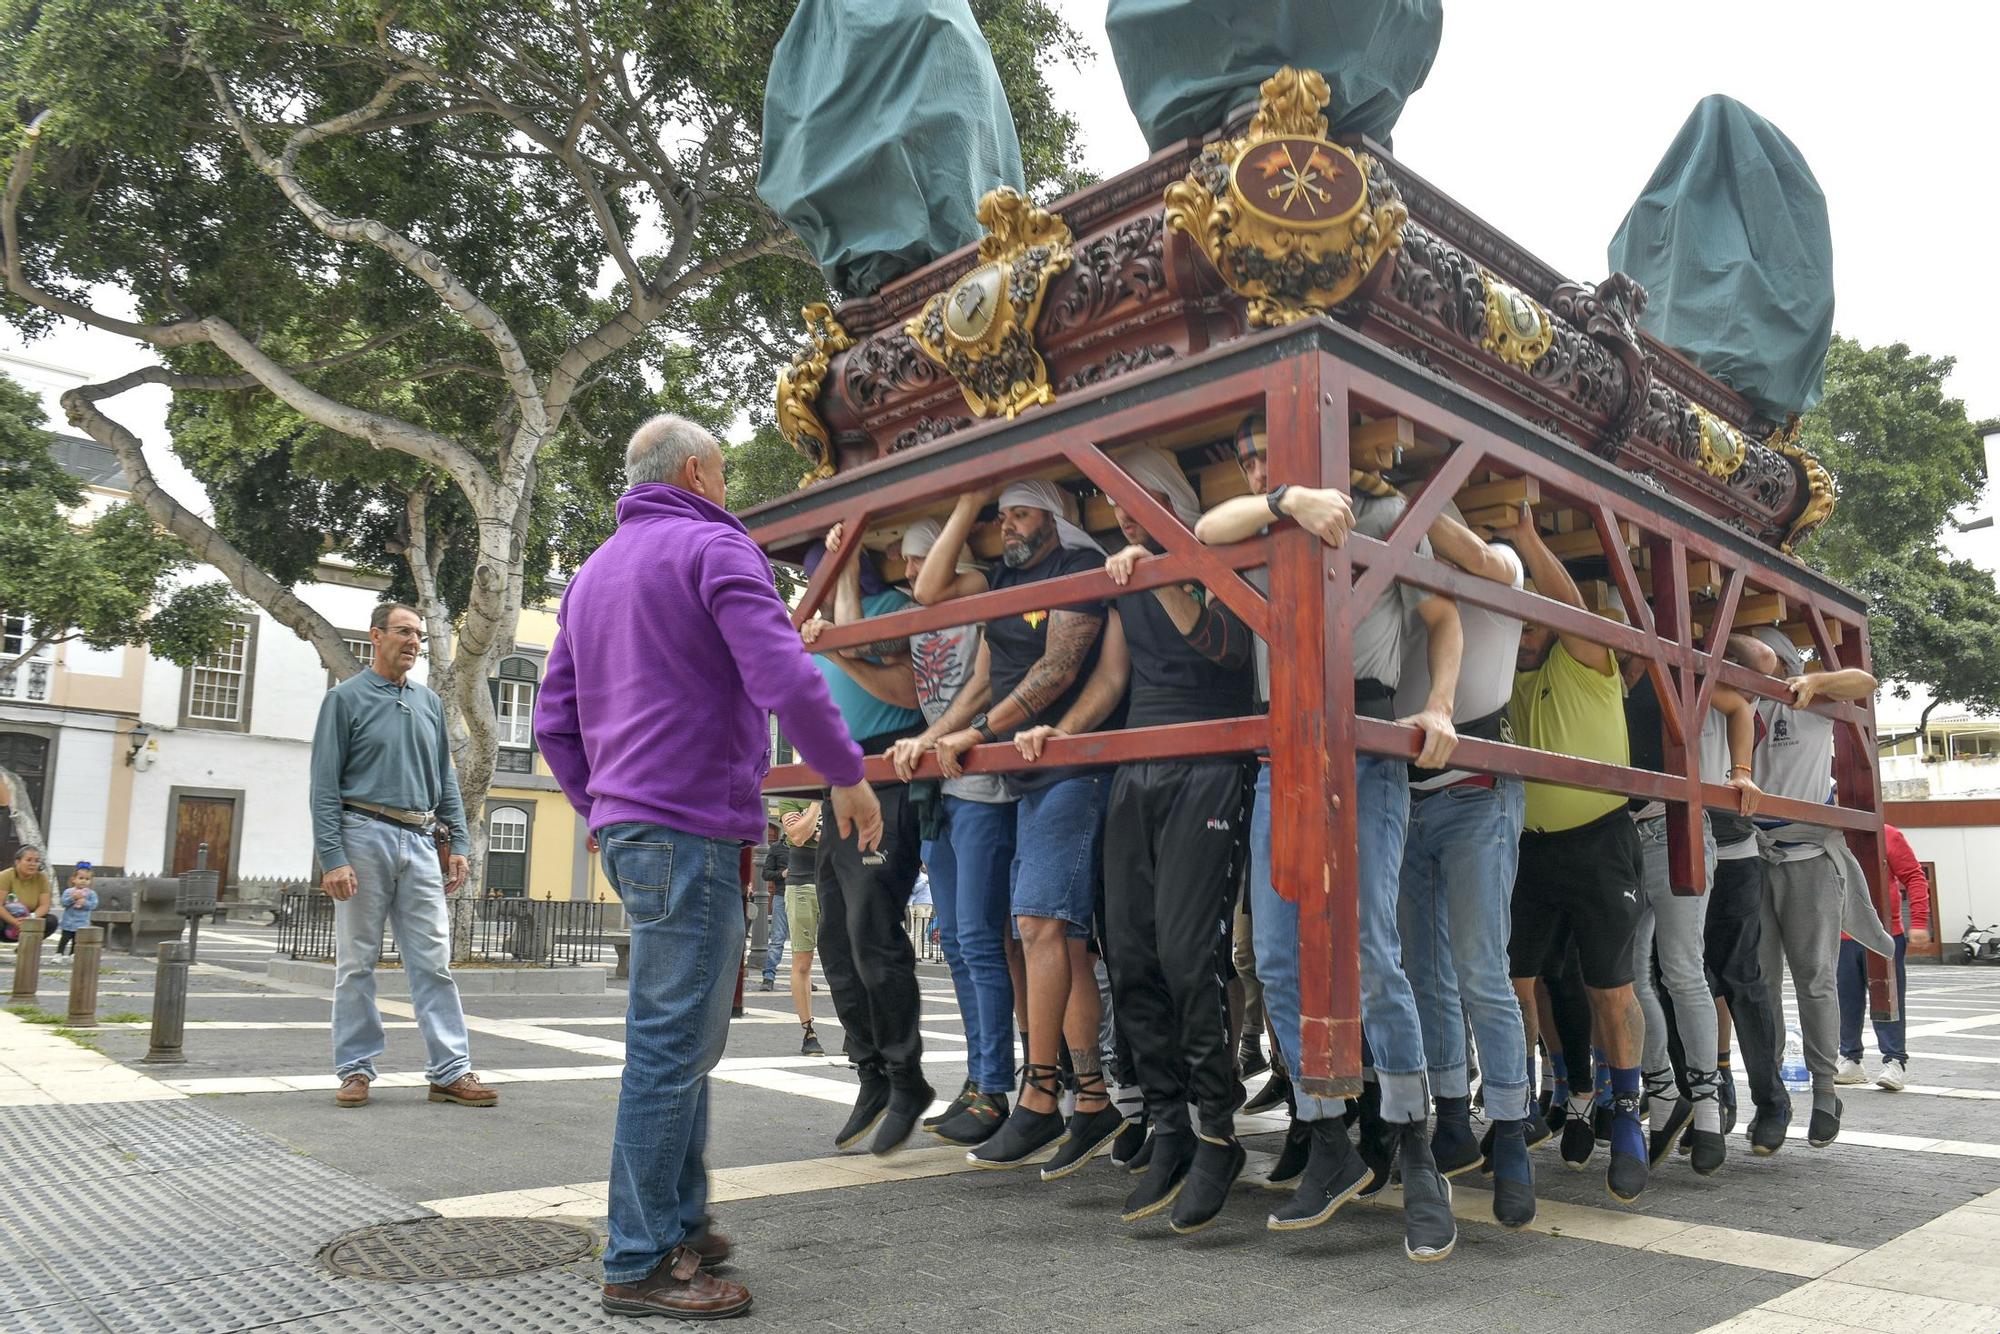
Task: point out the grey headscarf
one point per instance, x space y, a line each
1050 497
921 536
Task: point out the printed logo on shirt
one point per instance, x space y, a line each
1035 618
1219 823
1781 729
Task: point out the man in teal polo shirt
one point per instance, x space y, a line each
381 780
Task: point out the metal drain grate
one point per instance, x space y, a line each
433 1250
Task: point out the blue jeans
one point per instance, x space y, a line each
686 904
974 923
781 931
396 880
1853 983
1059 831
1455 916
1388 1008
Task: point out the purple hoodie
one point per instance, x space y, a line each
674 648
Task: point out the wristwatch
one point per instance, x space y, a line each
986 733
1276 499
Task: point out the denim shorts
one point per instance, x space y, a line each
1058 831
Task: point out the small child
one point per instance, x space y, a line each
16 910
79 901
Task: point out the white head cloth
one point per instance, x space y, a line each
1156 470
921 536
1051 498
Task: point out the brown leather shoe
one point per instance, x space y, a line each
713 1248
680 1289
466 1091
353 1092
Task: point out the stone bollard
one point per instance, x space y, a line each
170 983
28 960
83 977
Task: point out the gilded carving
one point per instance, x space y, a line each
1291 221
1518 330
982 329
1821 493
799 386
1723 447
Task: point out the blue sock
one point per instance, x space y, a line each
1601 1070
1626 1136
1559 1073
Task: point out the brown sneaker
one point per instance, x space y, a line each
466 1091
353 1092
680 1289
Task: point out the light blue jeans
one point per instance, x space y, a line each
1456 914
686 905
974 924
781 931
396 880
1388 1008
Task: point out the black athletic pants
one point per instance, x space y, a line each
1172 847
1569 1003
864 944
1731 934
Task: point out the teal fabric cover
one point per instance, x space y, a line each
1187 63
884 124
1730 240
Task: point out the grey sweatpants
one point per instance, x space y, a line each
1674 923
1802 932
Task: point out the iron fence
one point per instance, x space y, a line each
521 933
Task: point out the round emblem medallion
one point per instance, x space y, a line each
974 302
1523 320
1305 184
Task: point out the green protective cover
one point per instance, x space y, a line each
884 124
1730 240
1187 63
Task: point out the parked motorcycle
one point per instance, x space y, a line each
1981 944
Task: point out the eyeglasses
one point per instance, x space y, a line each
402 632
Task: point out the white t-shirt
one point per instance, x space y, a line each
1486 670
1794 759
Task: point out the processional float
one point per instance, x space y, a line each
1272 256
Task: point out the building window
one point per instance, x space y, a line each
361 646
507 851
217 690
514 713
29 681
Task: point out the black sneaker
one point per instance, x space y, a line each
1625 1178
1578 1143
1514 1172
965 1095
1214 1171
900 1121
1670 1121
1768 1127
1131 1139
1291 1164
976 1122
809 1043
1173 1154
1275 1091
1089 1133
1020 1137
1824 1128
1429 1230
1250 1059
1376 1144
869 1108
1334 1175
1453 1148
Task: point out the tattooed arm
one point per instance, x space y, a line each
1071 636
1094 703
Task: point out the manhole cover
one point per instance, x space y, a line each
431 1250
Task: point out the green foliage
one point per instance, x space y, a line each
98 582
1905 456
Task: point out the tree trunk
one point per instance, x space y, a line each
27 829
1923 730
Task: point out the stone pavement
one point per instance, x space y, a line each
199 1196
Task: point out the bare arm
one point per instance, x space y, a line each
1445 648
1070 637
847 610
1554 582
1847 683
1741 717
1320 510
940 581
1452 541
1100 694
892 682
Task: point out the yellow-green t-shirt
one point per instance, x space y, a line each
30 889
1565 708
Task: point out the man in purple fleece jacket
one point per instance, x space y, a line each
673 651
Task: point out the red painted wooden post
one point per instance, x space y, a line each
1681 746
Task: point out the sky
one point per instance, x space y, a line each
1547 118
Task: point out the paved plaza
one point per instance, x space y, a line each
198 1197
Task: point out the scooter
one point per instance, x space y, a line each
1980 945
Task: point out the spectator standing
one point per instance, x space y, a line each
1907 880
79 901
772 872
673 650
382 784
800 823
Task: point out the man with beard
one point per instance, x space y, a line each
1334 1174
1172 839
1041 674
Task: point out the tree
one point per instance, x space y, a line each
107 582
411 269
1906 456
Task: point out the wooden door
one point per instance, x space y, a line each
199 820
